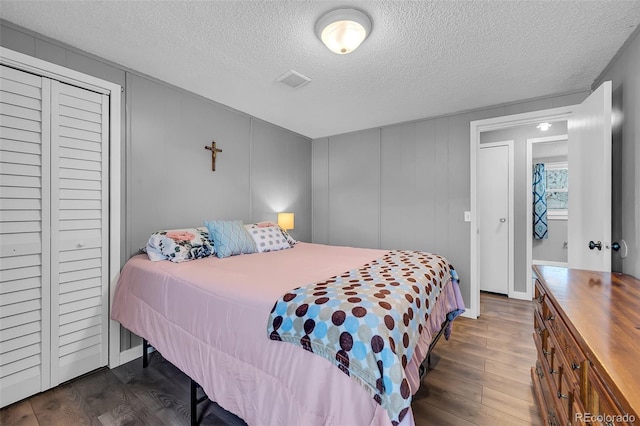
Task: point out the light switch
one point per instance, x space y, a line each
467 216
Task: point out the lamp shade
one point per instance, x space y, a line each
286 220
343 30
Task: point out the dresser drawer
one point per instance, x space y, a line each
601 408
543 395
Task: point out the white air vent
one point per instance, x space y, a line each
293 79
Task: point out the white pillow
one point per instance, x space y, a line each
268 237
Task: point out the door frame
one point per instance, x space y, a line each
477 127
511 163
37 66
529 164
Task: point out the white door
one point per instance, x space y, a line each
589 226
79 225
494 221
24 235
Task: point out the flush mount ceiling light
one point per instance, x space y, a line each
544 126
343 30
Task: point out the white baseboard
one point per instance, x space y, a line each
520 295
468 314
550 263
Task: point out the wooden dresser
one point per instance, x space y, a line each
587 332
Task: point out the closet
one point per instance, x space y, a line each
54 232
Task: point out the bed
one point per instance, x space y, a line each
214 319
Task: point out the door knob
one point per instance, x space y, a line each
593 245
615 246
503 219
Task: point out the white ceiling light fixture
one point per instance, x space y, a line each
343 30
544 126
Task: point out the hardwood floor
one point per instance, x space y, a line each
478 377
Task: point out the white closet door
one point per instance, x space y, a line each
24 235
79 226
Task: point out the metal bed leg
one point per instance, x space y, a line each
145 351
195 401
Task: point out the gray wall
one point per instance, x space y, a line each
406 185
167 180
624 73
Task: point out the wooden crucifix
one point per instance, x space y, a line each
214 154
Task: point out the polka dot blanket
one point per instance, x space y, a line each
367 321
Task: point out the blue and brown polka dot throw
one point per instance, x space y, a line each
367 321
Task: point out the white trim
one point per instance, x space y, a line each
510 144
520 295
529 220
114 218
477 127
129 355
37 66
548 263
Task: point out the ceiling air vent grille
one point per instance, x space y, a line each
293 79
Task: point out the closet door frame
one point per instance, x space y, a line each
65 75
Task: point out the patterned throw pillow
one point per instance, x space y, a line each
179 245
289 238
267 238
230 238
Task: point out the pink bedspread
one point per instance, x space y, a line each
209 317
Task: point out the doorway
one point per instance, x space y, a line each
477 128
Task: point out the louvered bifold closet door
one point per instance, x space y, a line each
24 235
79 225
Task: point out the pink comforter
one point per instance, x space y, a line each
209 318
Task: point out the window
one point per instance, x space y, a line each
557 190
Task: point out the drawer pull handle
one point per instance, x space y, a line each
575 366
540 298
562 396
551 317
539 331
546 352
552 371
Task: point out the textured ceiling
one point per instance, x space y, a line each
422 59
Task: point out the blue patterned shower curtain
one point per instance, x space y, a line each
540 230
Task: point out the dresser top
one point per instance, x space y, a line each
602 311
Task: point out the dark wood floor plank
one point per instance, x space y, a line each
110 400
20 414
161 396
62 405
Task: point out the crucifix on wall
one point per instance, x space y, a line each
214 154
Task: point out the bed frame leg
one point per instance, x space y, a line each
194 403
145 351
